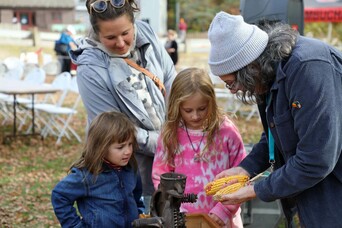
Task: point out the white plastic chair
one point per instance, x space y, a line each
52 68
4 112
58 118
14 71
12 68
15 68
61 82
253 112
3 108
250 110
35 75
3 69
233 105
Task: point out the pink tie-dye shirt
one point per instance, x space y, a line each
227 152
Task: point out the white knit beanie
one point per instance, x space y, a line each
234 43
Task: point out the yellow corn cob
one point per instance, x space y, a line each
212 187
227 190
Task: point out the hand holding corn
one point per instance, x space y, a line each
217 188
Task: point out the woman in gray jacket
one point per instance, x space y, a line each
106 82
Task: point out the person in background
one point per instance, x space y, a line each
171 45
297 82
182 27
114 66
104 182
67 43
199 141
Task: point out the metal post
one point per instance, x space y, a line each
14 115
177 13
32 111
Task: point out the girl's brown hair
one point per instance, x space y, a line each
186 83
111 13
107 128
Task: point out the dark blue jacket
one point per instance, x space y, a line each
305 118
113 200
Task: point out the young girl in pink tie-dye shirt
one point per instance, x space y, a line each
199 141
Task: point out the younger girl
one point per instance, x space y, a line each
104 181
200 142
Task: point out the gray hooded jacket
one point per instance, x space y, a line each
103 86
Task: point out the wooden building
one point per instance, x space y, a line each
37 13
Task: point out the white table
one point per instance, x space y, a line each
17 87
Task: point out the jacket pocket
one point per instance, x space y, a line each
90 219
287 137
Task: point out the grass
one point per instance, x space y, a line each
30 167
29 170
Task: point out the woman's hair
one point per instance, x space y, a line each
260 74
187 83
106 128
110 13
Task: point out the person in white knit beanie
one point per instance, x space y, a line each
234 46
297 83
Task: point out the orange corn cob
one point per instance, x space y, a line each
227 190
212 187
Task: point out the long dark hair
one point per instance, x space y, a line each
260 74
111 13
106 128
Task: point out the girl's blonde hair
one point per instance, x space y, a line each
186 83
107 128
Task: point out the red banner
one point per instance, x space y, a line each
323 14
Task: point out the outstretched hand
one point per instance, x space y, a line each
240 196
243 194
232 171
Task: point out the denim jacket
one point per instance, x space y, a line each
112 199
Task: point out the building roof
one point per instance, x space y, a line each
37 4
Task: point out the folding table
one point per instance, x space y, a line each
18 87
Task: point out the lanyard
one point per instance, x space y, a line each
270 138
271 148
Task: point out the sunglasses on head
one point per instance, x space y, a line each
100 6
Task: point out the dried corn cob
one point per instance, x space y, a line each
227 190
212 187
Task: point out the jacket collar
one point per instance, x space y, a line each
280 75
